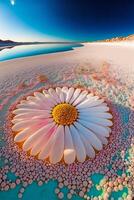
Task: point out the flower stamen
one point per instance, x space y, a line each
64 114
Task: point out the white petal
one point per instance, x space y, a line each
24 124
94 141
103 115
61 94
65 91
22 135
42 142
47 147
30 141
97 114
96 103
102 139
88 103
45 93
14 121
89 149
95 109
38 105
75 95
31 98
62 97
37 100
69 94
27 132
29 106
49 98
104 131
42 117
78 144
69 151
54 95
109 129
28 115
81 97
97 120
36 148
40 96
58 90
90 96
26 110
57 149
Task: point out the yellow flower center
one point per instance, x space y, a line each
64 114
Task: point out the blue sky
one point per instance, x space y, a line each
14 23
65 20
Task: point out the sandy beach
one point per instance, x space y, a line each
105 69
119 55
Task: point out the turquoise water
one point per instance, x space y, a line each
32 50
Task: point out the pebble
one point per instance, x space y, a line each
61 195
69 195
19 195
57 190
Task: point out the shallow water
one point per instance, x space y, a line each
32 50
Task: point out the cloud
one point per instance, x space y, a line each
12 2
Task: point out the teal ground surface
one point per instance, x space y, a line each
47 191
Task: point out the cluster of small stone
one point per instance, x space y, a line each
76 177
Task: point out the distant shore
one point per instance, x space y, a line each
18 51
8 45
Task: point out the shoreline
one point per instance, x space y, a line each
83 51
115 43
24 52
119 57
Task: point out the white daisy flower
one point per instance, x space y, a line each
62 124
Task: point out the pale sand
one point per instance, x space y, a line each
120 56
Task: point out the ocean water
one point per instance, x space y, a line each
36 49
